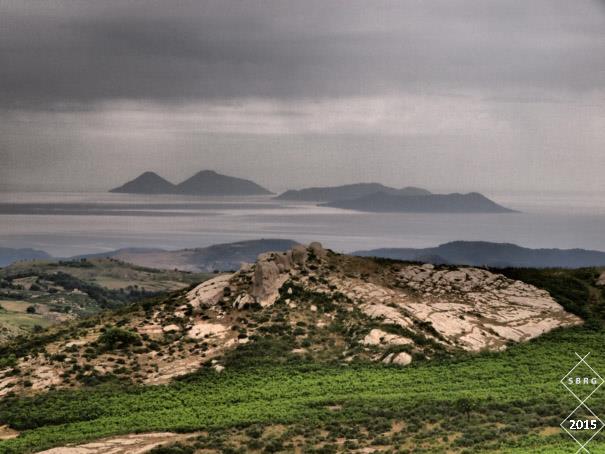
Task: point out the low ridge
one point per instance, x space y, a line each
497 255
217 257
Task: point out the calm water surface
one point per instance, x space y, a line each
66 224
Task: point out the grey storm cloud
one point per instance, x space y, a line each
448 94
54 52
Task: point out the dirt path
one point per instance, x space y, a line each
124 444
7 433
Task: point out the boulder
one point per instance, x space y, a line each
266 282
378 337
209 292
299 255
245 267
402 359
171 328
241 301
203 329
284 261
318 250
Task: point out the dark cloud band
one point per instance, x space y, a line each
69 51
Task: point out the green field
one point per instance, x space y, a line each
62 290
24 321
486 402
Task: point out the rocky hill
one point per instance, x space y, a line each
308 303
345 192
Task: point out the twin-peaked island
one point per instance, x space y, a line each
206 182
369 197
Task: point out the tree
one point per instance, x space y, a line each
465 406
114 337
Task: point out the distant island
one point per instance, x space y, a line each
496 255
375 197
345 192
381 202
204 183
368 197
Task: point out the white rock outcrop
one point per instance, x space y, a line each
468 308
209 292
379 337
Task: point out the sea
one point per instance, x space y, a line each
66 224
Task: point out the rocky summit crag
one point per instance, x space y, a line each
307 303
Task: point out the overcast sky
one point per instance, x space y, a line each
452 95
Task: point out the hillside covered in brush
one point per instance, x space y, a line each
307 303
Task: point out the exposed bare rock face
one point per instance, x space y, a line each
466 308
601 280
312 301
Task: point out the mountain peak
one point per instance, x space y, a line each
203 173
150 174
209 182
147 183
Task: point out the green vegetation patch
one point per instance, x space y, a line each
499 400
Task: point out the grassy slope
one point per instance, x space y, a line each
513 399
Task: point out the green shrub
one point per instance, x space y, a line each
176 448
114 337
